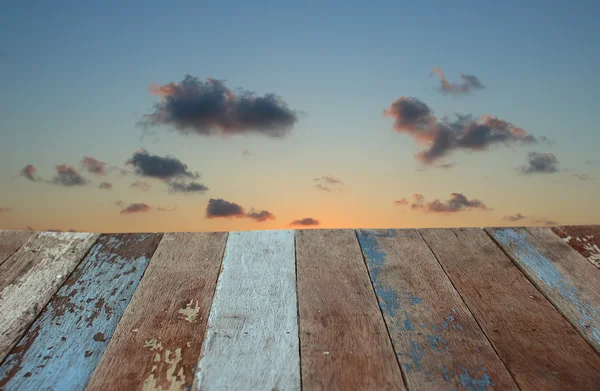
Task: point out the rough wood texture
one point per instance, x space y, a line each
585 239
437 340
570 282
157 343
30 277
11 241
343 337
64 344
252 331
538 346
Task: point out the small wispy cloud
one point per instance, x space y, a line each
220 208
68 176
307 221
513 218
467 84
94 165
134 208
544 163
457 203
105 186
141 185
328 183
29 172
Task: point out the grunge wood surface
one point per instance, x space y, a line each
585 239
11 241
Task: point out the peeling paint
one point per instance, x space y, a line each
190 313
170 379
153 344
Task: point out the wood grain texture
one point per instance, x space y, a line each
158 340
437 340
11 241
343 337
64 344
585 239
536 343
252 337
568 280
30 277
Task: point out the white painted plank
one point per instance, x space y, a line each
252 337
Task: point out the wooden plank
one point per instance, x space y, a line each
585 239
157 342
343 338
252 337
11 241
64 344
437 340
536 343
570 282
30 277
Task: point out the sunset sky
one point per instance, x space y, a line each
211 116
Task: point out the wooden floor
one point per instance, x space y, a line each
428 309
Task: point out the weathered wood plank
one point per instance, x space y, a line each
252 337
64 344
11 241
343 338
585 239
30 277
536 343
437 340
570 282
157 342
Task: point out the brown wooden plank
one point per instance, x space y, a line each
570 282
158 340
344 344
585 239
537 344
30 277
437 340
11 241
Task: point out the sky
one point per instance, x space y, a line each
220 116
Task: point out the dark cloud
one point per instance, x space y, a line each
209 107
444 136
402 201
2 210
306 221
186 187
457 203
540 163
328 183
260 216
29 172
93 165
583 177
136 208
141 185
513 218
154 166
221 208
105 186
468 83
68 176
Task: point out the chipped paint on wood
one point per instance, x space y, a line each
66 341
584 239
252 330
11 241
560 273
158 341
30 277
437 341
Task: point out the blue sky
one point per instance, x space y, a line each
75 80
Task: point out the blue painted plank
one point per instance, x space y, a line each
64 344
436 338
567 279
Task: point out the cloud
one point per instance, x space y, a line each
468 83
245 152
105 186
513 218
306 221
93 165
2 210
415 118
328 183
141 185
260 216
183 187
545 221
164 168
457 203
29 172
136 208
446 165
402 201
221 208
68 176
583 177
540 163
209 107
590 161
